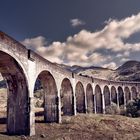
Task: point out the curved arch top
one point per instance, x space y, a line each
134 92
18 92
19 62
114 95
50 96
90 98
66 94
98 97
121 95
127 94
107 95
80 98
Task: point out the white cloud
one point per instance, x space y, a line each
111 65
36 43
76 22
124 59
103 48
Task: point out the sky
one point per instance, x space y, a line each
102 33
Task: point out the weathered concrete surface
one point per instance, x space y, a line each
63 91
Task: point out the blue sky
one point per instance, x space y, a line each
76 32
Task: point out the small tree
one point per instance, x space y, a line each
133 108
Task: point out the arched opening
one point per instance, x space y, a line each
113 95
17 95
127 94
107 96
45 93
80 98
134 92
66 97
120 96
98 97
90 99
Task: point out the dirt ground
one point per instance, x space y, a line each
83 127
80 127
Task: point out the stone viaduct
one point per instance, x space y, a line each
65 93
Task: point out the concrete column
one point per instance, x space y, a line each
59 104
124 98
32 117
74 96
103 100
130 93
95 104
31 74
118 99
110 93
137 89
85 99
93 87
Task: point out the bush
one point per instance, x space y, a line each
133 108
112 109
122 110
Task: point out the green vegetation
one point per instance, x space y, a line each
112 109
133 108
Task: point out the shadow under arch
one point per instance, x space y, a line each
106 93
80 98
113 95
98 98
127 94
66 94
46 82
134 92
18 114
90 99
120 95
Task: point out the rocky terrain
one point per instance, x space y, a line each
129 71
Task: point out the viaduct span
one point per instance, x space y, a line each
65 93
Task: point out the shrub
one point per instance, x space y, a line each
112 109
133 108
122 110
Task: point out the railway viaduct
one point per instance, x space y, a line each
65 93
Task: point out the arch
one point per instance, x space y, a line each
134 92
98 97
66 94
47 82
127 94
80 98
18 95
120 96
106 93
113 95
90 99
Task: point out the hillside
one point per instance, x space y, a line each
129 71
